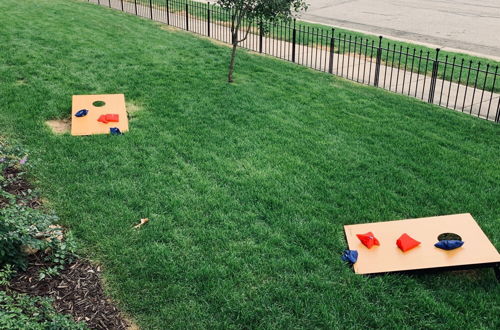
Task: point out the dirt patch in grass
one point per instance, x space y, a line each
218 42
21 81
59 126
169 28
77 290
133 108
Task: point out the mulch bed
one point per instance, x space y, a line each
76 290
18 186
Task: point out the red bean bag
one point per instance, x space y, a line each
406 243
103 119
109 118
112 118
368 239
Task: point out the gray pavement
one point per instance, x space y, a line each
471 26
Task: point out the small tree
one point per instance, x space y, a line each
255 11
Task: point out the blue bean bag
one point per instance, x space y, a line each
114 131
449 244
350 255
82 113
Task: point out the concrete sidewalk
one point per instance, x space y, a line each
469 26
355 67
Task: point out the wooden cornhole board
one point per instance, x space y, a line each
88 125
476 251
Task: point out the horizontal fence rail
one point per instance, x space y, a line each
454 83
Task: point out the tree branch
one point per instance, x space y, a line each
247 32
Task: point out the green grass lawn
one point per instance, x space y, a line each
247 186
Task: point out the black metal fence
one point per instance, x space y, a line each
447 81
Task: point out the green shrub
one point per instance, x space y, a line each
24 229
14 164
21 311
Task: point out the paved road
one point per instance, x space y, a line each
466 25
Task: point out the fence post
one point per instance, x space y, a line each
121 1
294 38
187 17
208 20
151 9
109 3
435 67
135 3
98 2
332 52
168 13
497 116
377 64
261 35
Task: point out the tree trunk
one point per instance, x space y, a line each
231 63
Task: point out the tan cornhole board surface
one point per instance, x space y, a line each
477 249
115 104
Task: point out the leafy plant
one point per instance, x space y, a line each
6 273
25 230
14 163
21 311
62 252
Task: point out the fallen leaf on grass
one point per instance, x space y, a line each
143 221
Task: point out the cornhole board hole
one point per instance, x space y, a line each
477 251
88 125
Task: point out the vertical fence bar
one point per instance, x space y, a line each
371 61
432 87
208 20
475 87
343 55
484 88
121 1
399 66
294 41
497 117
349 57
466 85
332 52
151 9
360 53
405 69
366 56
168 12
451 78
261 35
135 5
377 63
492 92
109 3
459 80
187 17
444 78
411 71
